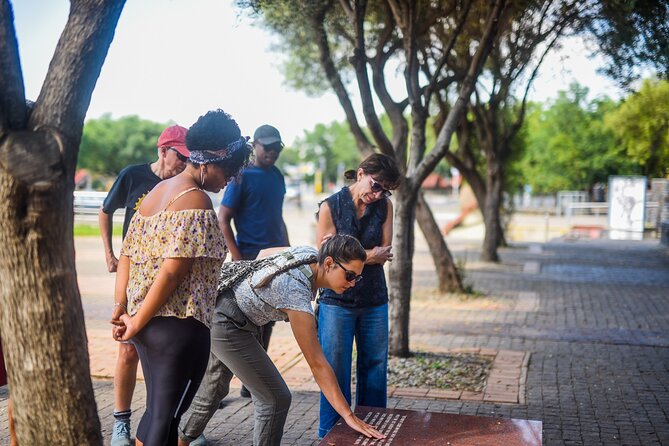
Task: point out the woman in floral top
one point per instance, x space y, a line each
168 271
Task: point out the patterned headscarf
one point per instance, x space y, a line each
217 156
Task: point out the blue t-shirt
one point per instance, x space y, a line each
132 184
258 202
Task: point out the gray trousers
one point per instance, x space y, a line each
236 350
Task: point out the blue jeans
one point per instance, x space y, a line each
337 328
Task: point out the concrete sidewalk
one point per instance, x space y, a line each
586 322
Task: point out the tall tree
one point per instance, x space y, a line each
641 125
354 41
497 107
41 317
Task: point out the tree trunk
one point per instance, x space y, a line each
491 213
447 274
400 273
41 319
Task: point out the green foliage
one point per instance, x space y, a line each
641 125
108 145
332 143
568 146
633 35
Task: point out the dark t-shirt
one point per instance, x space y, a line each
258 203
371 291
132 184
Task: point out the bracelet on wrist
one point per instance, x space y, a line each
119 304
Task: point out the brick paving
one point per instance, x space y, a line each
583 326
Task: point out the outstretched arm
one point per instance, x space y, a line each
304 330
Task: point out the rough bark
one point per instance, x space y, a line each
449 280
401 268
41 317
493 238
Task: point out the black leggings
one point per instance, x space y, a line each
174 354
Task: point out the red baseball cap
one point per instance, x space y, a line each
174 136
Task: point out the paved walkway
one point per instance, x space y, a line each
584 325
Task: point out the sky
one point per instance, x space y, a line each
173 60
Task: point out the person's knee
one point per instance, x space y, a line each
282 399
127 355
276 401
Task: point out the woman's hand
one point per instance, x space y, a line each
326 237
116 313
126 328
379 255
365 429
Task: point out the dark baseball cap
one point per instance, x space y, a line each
266 134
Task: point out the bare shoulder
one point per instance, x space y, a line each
324 208
195 199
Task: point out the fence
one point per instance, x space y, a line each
88 202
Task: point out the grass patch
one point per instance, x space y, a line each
89 230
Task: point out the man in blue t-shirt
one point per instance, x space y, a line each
255 204
130 187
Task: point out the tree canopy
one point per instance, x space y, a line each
568 145
108 145
641 127
633 35
331 143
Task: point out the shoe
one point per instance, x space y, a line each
244 393
199 441
121 434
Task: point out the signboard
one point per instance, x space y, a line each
627 203
410 428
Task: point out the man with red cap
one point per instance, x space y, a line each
131 186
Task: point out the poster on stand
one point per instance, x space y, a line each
627 206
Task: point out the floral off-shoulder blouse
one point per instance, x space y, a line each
190 233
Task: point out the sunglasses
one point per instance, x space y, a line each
349 275
274 147
181 157
376 187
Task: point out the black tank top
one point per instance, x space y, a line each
371 291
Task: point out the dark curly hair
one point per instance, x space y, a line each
212 131
215 131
